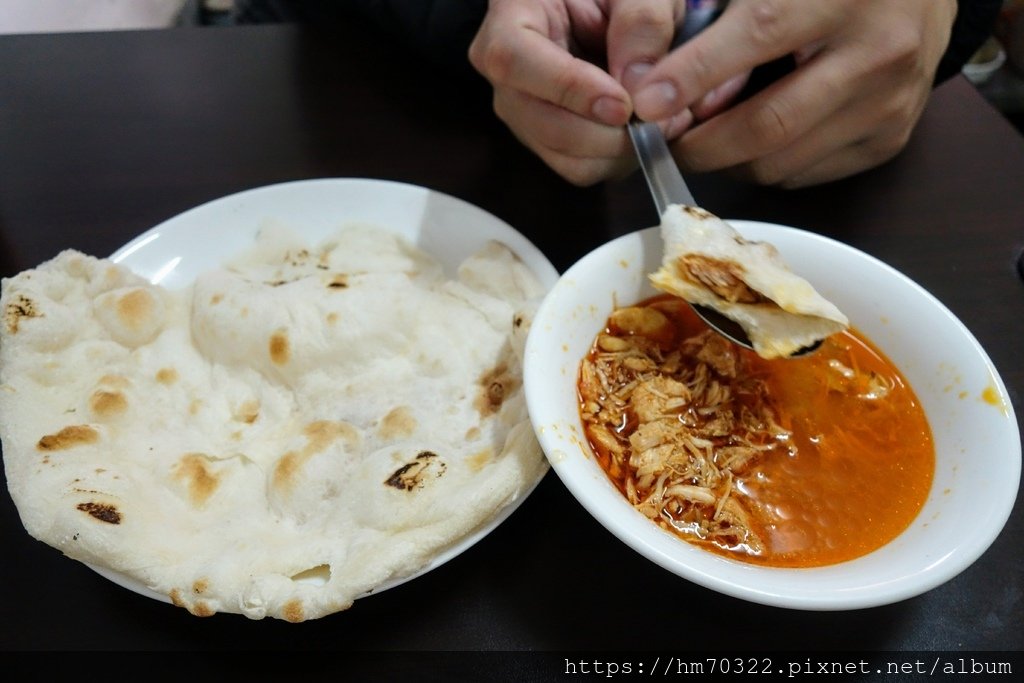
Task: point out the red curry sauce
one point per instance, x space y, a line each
852 468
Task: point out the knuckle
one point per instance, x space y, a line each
494 59
799 182
646 19
882 148
902 109
475 52
904 42
701 65
767 22
769 125
766 171
567 88
898 49
553 137
581 173
541 133
503 109
576 171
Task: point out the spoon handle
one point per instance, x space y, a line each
659 168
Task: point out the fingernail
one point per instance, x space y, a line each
705 107
655 100
633 73
610 111
678 124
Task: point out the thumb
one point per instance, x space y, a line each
639 34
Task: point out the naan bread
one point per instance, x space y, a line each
707 262
283 436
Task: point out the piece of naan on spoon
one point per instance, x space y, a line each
707 262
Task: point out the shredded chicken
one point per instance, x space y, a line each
724 278
674 424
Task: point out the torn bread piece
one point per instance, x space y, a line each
707 262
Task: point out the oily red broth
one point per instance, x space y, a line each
790 463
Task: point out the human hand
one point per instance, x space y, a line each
542 58
864 73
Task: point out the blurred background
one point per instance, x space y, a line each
997 70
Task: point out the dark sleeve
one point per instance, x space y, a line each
975 20
437 31
442 28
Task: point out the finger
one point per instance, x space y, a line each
528 61
768 122
544 126
677 125
720 98
844 163
539 124
584 172
639 33
749 33
831 139
855 139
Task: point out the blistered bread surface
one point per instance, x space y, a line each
290 432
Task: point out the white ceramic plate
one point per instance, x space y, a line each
977 442
173 253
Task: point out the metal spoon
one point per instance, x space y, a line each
667 188
665 180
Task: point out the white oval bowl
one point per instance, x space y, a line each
978 448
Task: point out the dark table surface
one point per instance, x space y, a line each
105 135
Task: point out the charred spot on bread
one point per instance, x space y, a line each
200 480
104 512
279 347
494 386
320 434
69 437
398 423
106 403
201 609
247 412
413 475
20 309
293 612
135 308
697 212
167 375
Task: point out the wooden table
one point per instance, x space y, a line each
105 135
